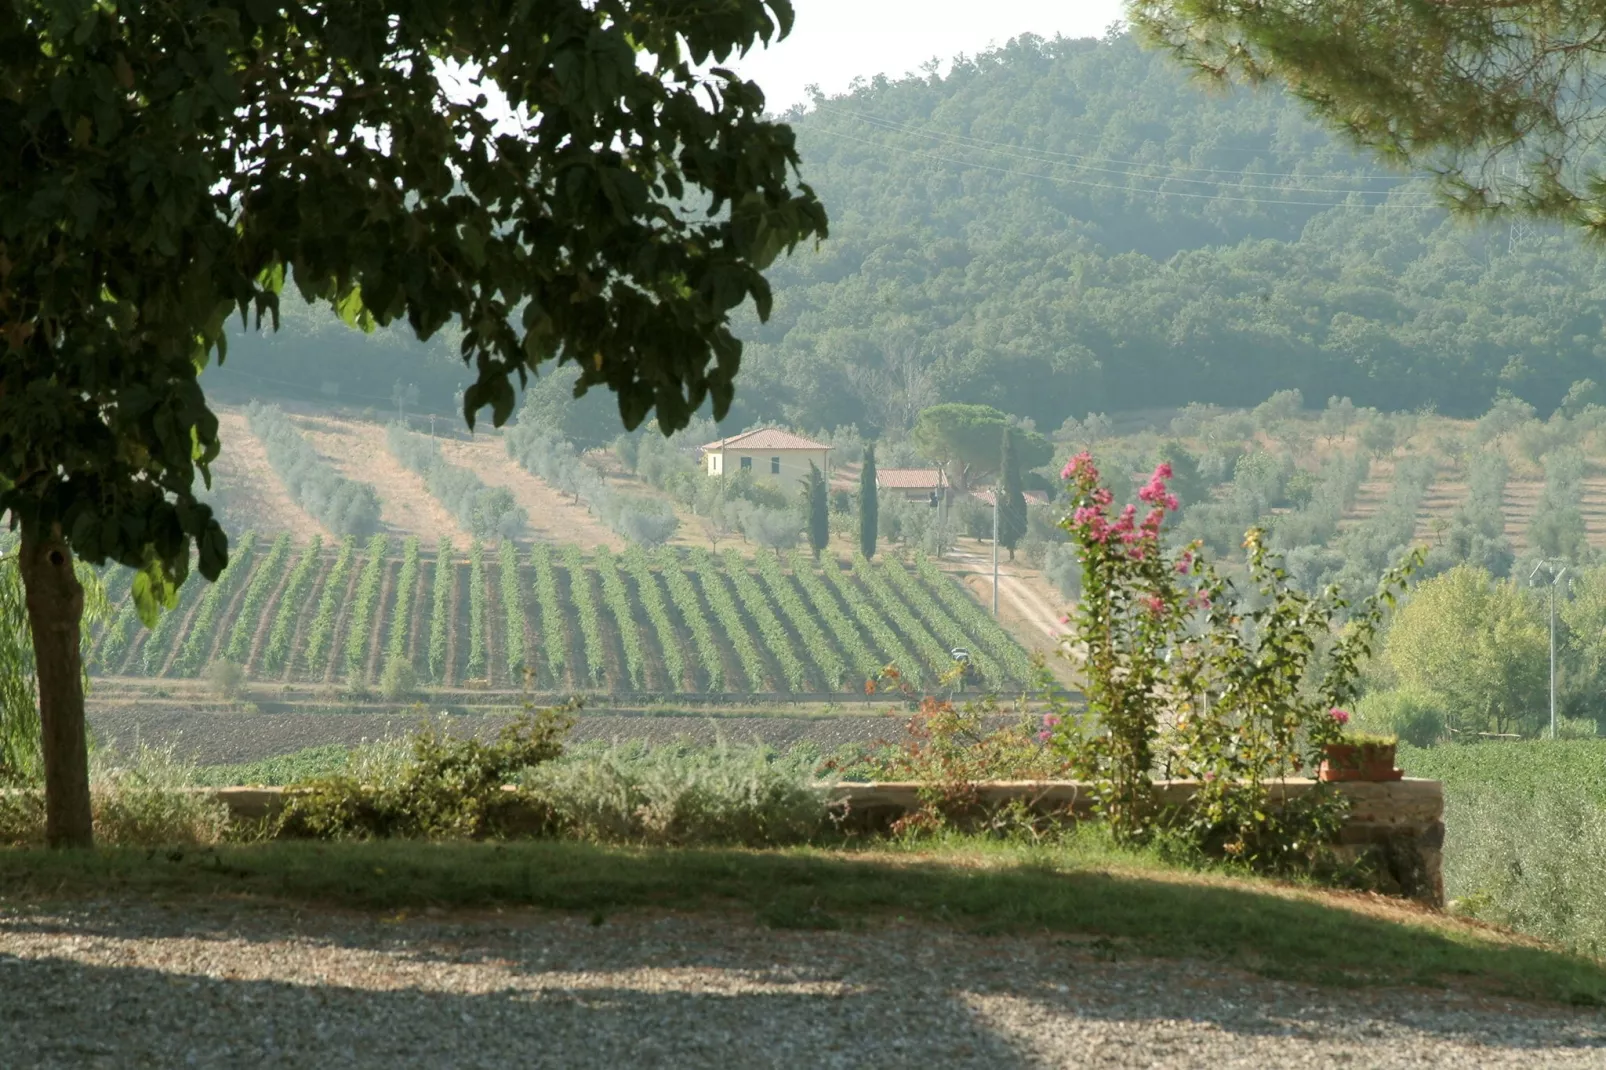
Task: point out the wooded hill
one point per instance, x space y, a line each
1058 228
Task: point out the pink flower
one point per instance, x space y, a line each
1044 736
1102 496
1154 605
1171 502
1208 776
1050 720
1081 467
1341 716
1185 563
1162 470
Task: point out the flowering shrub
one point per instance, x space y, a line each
1180 676
1134 613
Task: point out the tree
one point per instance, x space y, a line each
1480 643
869 504
819 510
1337 418
163 166
21 754
964 440
1496 97
1012 503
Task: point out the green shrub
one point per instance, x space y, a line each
747 795
399 680
144 799
451 787
1414 714
226 679
1537 864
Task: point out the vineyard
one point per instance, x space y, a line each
557 619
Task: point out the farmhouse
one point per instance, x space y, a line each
914 484
767 451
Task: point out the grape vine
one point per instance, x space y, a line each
652 599
553 627
585 604
617 595
825 656
401 617
513 607
320 635
290 605
476 611
441 608
359 625
770 627
717 588
263 581
203 630
683 594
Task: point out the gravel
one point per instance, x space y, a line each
219 738
122 984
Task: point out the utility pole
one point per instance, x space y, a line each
996 492
1555 581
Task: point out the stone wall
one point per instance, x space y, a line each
1397 826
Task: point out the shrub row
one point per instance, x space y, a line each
487 512
646 521
344 506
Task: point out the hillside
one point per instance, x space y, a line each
556 621
1064 227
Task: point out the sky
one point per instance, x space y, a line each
835 41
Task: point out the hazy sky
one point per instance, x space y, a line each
837 40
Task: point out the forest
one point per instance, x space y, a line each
1057 228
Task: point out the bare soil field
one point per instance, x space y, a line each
554 517
256 497
357 449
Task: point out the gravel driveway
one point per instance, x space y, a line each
131 985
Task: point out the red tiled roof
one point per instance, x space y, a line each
985 496
766 438
906 478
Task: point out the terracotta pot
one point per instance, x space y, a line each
1358 761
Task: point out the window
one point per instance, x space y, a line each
747 463
775 466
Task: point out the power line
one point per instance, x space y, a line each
1126 189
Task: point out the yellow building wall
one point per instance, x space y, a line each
794 464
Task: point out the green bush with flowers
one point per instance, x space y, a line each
1185 677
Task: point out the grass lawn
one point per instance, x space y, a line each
1121 903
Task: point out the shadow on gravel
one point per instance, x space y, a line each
1116 913
75 1015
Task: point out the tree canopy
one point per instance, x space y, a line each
966 440
165 166
1058 228
1501 99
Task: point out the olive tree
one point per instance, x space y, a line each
167 165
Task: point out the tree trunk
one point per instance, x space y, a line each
55 615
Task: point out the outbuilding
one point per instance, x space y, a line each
769 452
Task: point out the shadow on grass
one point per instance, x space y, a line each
1123 910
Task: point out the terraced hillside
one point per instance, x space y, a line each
665 622
1449 489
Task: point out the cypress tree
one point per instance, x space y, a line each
869 504
819 511
1012 506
